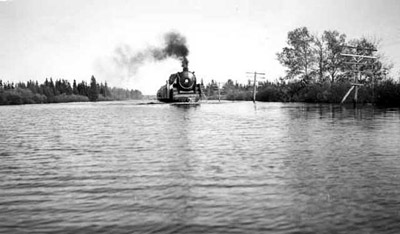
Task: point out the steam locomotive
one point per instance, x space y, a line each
180 87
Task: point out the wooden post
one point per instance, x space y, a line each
255 82
356 78
167 86
347 94
373 89
219 94
254 87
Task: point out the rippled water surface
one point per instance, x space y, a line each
123 167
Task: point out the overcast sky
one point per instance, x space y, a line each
74 39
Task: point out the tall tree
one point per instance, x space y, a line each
52 86
298 57
107 91
74 88
334 47
320 56
93 90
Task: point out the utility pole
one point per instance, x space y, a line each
167 86
219 93
357 60
255 82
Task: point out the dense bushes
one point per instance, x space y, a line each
388 94
25 96
20 96
61 91
385 93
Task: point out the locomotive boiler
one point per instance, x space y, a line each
180 87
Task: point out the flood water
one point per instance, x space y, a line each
234 167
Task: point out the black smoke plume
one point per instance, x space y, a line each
173 46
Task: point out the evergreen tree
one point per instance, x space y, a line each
52 86
93 90
74 88
107 91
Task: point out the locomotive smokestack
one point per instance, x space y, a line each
185 64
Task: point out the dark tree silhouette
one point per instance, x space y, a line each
93 91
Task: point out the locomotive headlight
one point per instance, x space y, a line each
186 80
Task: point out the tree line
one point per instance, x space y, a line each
61 90
384 93
228 90
319 57
316 71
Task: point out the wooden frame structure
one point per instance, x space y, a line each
358 60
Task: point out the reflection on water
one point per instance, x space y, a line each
121 167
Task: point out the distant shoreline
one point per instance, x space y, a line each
61 91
